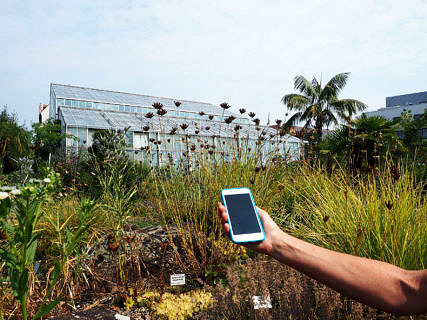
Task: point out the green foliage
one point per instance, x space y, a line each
381 216
20 212
361 144
14 141
47 139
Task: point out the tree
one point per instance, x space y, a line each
14 141
317 106
363 142
47 139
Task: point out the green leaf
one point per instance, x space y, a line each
46 309
31 251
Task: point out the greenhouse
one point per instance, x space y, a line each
179 128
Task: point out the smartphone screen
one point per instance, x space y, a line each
242 214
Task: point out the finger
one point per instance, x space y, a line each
226 228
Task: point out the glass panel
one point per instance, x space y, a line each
88 104
82 135
82 104
59 102
74 103
122 108
68 102
127 108
129 139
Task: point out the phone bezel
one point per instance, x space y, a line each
246 237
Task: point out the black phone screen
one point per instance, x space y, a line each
241 213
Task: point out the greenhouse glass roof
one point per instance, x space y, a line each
106 96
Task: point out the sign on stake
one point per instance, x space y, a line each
261 302
177 279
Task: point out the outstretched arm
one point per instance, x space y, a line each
374 283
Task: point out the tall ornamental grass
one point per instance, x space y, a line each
381 216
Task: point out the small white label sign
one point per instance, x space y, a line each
177 279
261 302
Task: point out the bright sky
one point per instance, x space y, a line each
243 52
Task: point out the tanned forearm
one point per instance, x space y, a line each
374 283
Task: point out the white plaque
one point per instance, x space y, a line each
177 279
261 302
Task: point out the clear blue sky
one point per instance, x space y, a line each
243 52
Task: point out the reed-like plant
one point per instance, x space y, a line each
380 216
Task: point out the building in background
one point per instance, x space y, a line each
43 113
186 126
415 103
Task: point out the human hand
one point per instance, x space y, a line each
272 231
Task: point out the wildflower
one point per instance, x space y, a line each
149 115
242 110
224 105
46 180
211 117
157 105
15 192
129 303
177 103
4 195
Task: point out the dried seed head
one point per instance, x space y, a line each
207 127
224 105
210 117
237 127
196 132
193 148
210 152
257 169
202 113
242 110
252 114
161 112
325 218
157 105
149 115
257 121
151 139
184 126
146 128
229 119
177 103
278 122
389 205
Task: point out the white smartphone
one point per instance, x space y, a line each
243 218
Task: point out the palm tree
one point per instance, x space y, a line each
366 139
317 106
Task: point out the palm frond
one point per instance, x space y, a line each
295 101
292 120
303 85
334 86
